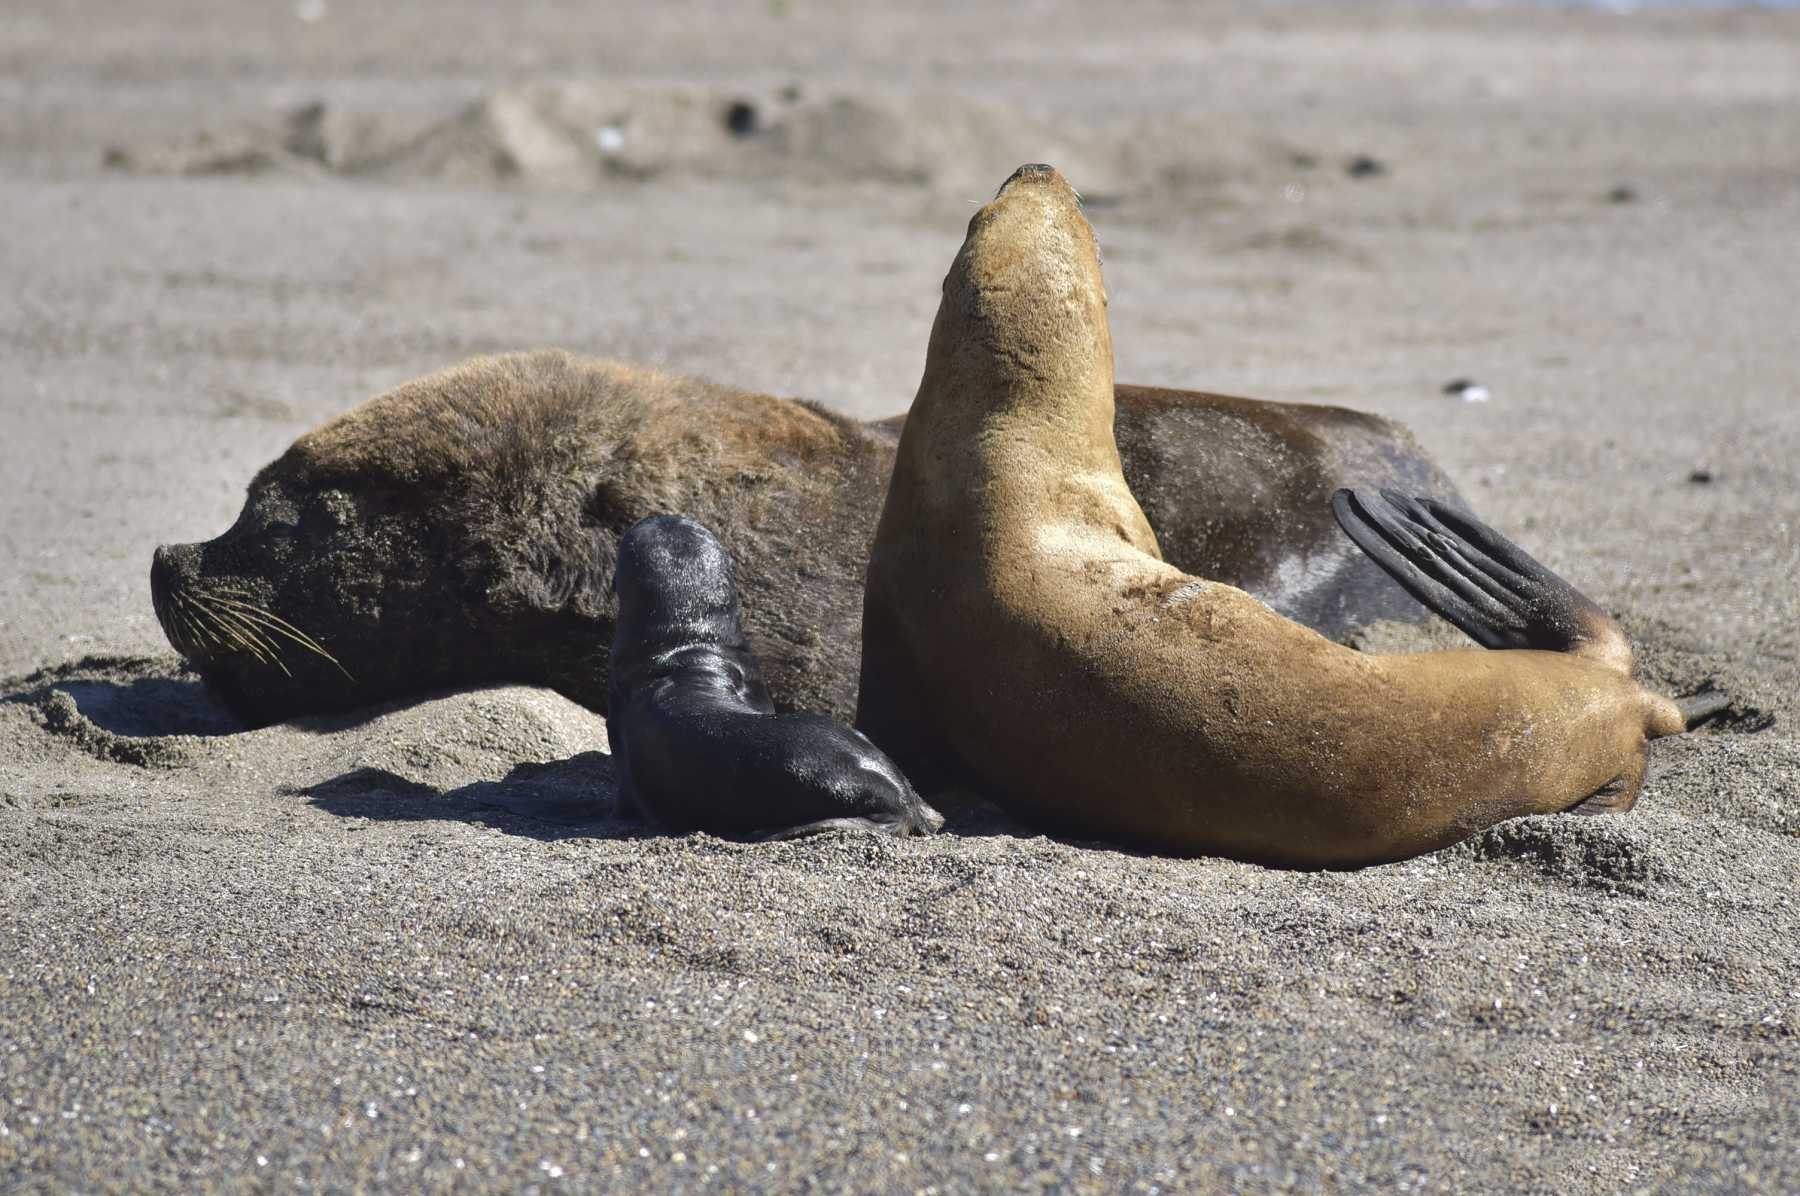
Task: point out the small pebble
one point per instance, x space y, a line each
1701 477
741 118
1468 390
1364 167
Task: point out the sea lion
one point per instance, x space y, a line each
695 738
461 528
1021 623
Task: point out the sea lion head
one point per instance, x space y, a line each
674 587
1024 305
452 531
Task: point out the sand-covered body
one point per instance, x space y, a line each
462 529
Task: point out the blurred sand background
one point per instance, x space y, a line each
325 956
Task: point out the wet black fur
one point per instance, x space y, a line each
696 740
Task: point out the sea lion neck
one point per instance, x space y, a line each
1020 348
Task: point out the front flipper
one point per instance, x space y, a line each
1477 579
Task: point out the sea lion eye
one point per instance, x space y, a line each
334 507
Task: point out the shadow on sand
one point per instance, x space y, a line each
151 706
136 697
576 798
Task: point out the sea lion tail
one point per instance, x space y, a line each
1472 576
1702 705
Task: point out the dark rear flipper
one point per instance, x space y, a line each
1474 577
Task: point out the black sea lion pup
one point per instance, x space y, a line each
696 739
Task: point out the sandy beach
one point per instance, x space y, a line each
330 955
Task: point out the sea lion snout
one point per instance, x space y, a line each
221 623
172 570
163 567
171 564
1031 172
1038 208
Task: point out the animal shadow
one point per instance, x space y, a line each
135 697
151 707
576 798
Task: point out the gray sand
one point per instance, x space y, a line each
411 950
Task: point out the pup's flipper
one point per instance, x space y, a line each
1474 577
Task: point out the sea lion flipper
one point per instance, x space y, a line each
1707 703
1395 543
1470 574
920 821
698 743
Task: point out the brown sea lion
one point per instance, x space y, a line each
1021 623
461 528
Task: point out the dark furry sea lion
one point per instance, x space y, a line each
696 740
1021 625
461 528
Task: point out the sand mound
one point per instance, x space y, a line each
1609 854
584 135
513 748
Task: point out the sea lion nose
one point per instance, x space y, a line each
160 570
1031 172
162 577
170 564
